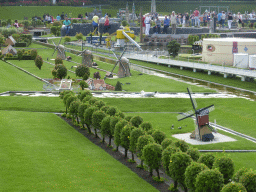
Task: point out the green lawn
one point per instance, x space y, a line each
41 152
13 79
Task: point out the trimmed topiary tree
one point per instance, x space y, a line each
58 61
207 159
226 166
233 187
238 175
128 118
135 134
106 129
97 118
248 180
92 101
120 114
158 136
125 138
166 142
39 62
105 108
191 173
61 71
166 156
182 145
136 121
81 109
88 116
65 98
118 86
100 104
209 180
33 54
142 142
117 133
73 109
83 70
193 153
146 126
83 84
178 163
152 154
83 94
112 111
70 99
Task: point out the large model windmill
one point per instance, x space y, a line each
124 68
203 130
87 58
61 50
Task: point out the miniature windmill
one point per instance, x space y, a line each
87 58
124 68
203 130
61 50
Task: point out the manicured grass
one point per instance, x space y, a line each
12 79
41 152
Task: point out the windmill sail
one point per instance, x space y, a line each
194 103
185 115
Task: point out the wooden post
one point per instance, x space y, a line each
141 25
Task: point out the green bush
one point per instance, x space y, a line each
70 100
193 153
74 21
146 126
173 48
152 154
117 133
73 109
125 23
166 142
209 180
81 70
112 111
106 129
96 75
118 86
158 136
125 138
238 175
105 108
83 84
128 118
226 166
100 104
182 145
81 109
166 156
33 54
249 181
233 187
9 55
88 116
65 98
79 36
207 159
191 173
135 134
58 61
97 118
178 163
83 94
61 71
67 39
136 121
57 23
39 62
92 101
55 30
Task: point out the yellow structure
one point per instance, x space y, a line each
123 35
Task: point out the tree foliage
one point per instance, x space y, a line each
182 145
166 156
207 159
173 48
39 62
97 118
158 136
125 137
136 121
193 153
249 181
146 126
117 133
233 187
166 142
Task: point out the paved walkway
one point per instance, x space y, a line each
243 73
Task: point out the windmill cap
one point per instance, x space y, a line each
124 60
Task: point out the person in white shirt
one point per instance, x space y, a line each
147 23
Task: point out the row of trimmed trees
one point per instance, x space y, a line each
183 164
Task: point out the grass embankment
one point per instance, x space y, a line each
12 79
41 152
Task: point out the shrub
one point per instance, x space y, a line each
113 121
135 134
152 154
142 142
125 23
128 118
182 145
81 109
39 62
209 180
73 109
96 75
106 129
61 71
125 138
238 175
191 173
70 99
173 48
166 156
67 39
249 181
166 142
55 30
97 117
158 136
146 126
57 23
207 159
81 70
33 54
193 153
83 84
136 121
100 104
9 55
54 73
58 61
83 94
88 116
226 166
79 36
112 111
74 21
92 101
120 114
105 108
117 133
118 86
233 187
65 98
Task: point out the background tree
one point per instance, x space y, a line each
207 159
233 187
83 71
152 154
97 118
39 62
65 98
81 109
178 163
166 142
83 84
73 109
166 156
88 116
125 138
191 173
61 71
117 133
106 129
118 86
83 94
136 121
135 134
173 48
158 136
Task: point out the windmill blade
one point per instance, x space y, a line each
115 55
54 51
123 66
59 41
182 116
54 43
81 53
206 110
194 103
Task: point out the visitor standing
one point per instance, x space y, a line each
143 24
219 18
95 22
197 20
147 23
223 18
157 27
16 24
173 22
106 25
208 18
204 18
230 19
187 19
184 20
239 20
166 24
192 17
67 24
44 17
62 16
58 17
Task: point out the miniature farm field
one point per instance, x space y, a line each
236 82
41 152
12 79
